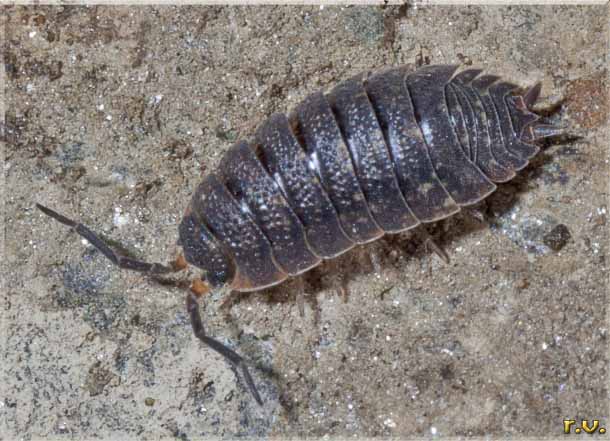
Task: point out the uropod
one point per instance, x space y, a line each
381 152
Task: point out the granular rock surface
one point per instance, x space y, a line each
112 116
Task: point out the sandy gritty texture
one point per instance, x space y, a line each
114 113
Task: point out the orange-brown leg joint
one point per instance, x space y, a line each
199 287
180 263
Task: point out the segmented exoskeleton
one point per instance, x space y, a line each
378 154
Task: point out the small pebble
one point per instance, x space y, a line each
522 283
557 237
599 220
389 423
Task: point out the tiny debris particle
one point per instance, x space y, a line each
389 423
120 219
557 237
522 283
98 378
599 220
149 401
156 99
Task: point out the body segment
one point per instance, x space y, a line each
296 175
420 186
253 188
370 155
315 122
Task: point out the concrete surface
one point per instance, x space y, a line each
112 115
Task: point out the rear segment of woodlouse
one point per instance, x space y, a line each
378 154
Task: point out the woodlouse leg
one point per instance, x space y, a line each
300 294
193 309
301 303
477 212
99 244
433 246
228 302
375 263
343 290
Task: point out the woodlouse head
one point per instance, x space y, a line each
203 251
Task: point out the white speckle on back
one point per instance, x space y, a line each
425 128
314 163
244 207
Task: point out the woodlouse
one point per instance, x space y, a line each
380 153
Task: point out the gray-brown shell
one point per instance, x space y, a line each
378 154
